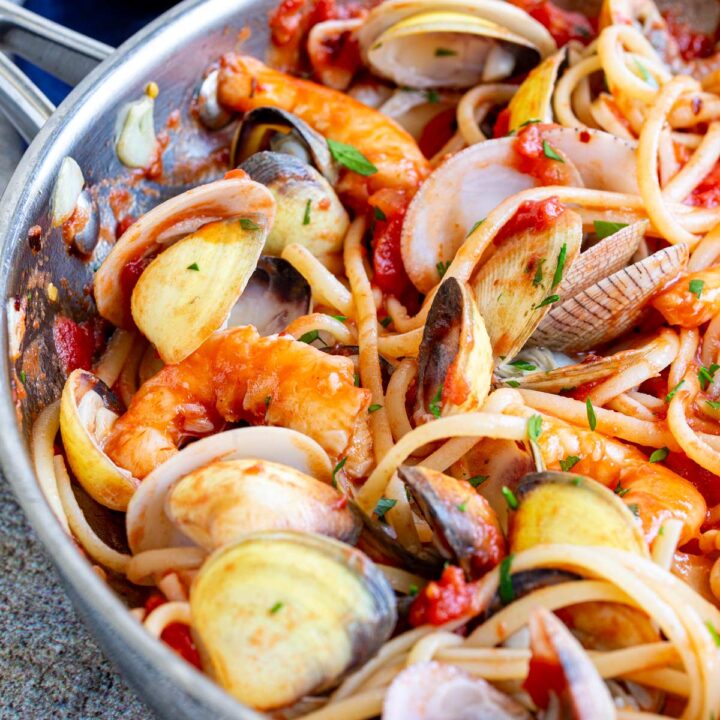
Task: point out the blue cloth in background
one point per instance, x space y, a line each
111 22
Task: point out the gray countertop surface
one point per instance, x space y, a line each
50 666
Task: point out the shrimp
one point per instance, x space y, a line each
653 492
245 83
693 299
236 375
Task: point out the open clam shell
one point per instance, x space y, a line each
148 525
610 307
88 410
455 359
311 610
511 294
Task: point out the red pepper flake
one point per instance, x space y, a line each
448 598
585 136
34 234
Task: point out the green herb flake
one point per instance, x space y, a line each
713 404
386 321
462 507
577 481
340 318
432 96
310 336
634 509
523 365
276 608
379 214
413 590
661 531
659 455
444 52
23 377
592 420
510 498
645 75
435 405
671 394
351 158
569 463
706 375
505 589
475 227
620 490
248 224
538 273
532 121
477 480
713 632
549 300
442 267
306 216
557 277
604 229
696 287
357 380
383 506
534 427
268 398
550 152
374 408
337 469
194 267
512 383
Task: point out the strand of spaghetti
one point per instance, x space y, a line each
449 453
360 707
697 167
629 406
326 288
672 681
111 363
609 422
166 614
150 365
647 168
562 100
710 350
604 111
649 401
401 321
426 648
401 345
470 111
715 579
665 544
172 588
145 565
667 157
581 99
689 340
401 580
465 425
694 108
323 323
85 535
127 383
706 252
623 714
42 448
395 397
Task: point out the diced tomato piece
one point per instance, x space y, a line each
75 343
692 45
707 193
444 600
437 132
533 158
563 25
531 215
502 123
176 635
707 483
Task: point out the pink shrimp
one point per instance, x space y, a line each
246 83
655 493
692 300
237 375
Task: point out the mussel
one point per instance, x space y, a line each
275 295
277 616
424 43
556 507
217 503
455 359
187 291
88 410
270 128
466 529
308 210
148 525
432 690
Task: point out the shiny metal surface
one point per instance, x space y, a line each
174 52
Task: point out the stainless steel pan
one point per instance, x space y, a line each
173 51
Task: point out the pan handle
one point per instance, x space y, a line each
66 54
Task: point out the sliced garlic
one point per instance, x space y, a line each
136 144
68 186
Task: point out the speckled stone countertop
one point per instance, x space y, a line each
50 667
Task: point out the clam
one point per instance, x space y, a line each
432 690
455 359
424 43
308 210
88 411
219 502
232 197
147 521
277 616
611 306
270 128
188 291
466 529
275 295
556 508
472 183
560 667
415 109
514 289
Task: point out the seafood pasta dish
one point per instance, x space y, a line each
412 409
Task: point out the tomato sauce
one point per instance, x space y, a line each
707 193
563 25
692 45
128 278
706 483
533 215
176 635
534 156
545 677
502 123
444 600
76 343
437 132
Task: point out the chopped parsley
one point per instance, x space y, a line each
713 404
306 216
557 277
340 318
475 227
510 498
706 375
569 463
592 420
383 506
442 267
539 273
550 152
604 229
512 383
268 398
534 427
386 321
549 300
379 214
432 96
523 365
713 631
462 507
477 480
357 380
671 394
645 75
444 52
337 469
23 377
310 336
659 455
634 509
696 287
413 590
620 490
374 408
506 590
351 158
248 224
577 481
435 405
276 607
194 266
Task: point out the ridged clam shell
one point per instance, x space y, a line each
611 306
